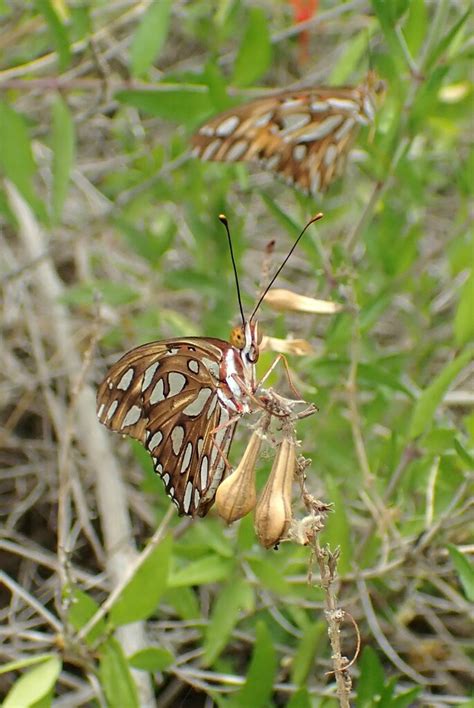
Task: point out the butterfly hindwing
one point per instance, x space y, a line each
302 135
164 394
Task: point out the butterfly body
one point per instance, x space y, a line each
302 135
182 398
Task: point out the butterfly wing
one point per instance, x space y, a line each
164 394
304 135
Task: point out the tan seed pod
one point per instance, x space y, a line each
281 299
299 347
236 495
273 512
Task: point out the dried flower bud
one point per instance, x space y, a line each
300 347
281 299
273 513
236 495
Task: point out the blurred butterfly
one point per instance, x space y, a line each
303 135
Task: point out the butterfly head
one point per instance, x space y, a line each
246 337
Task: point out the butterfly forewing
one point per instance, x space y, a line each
165 394
302 135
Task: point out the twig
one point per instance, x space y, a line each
327 562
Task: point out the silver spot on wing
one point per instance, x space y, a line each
148 375
177 436
126 380
133 415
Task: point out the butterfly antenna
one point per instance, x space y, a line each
311 221
223 220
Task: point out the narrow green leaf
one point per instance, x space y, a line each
464 318
140 597
446 41
465 570
464 454
431 397
150 36
63 145
414 30
232 599
406 699
300 699
113 293
281 216
16 158
34 685
371 679
184 602
151 659
385 12
182 104
258 686
24 663
80 610
337 532
343 70
303 661
255 52
58 31
210 569
270 574
115 676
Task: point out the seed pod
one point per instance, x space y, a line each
287 300
236 495
273 513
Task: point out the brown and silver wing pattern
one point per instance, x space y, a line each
302 135
164 394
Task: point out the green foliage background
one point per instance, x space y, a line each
97 104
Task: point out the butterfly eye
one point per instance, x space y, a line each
237 337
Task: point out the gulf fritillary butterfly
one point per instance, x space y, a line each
303 135
182 399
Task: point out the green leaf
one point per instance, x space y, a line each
34 685
415 26
63 145
258 686
113 293
150 36
80 610
58 31
338 532
140 597
151 659
115 676
406 699
24 663
270 574
371 679
303 661
431 397
184 601
446 41
465 570
464 454
352 51
300 699
255 52
235 597
16 158
386 15
464 318
210 569
176 102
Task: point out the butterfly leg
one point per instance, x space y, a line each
283 359
232 421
